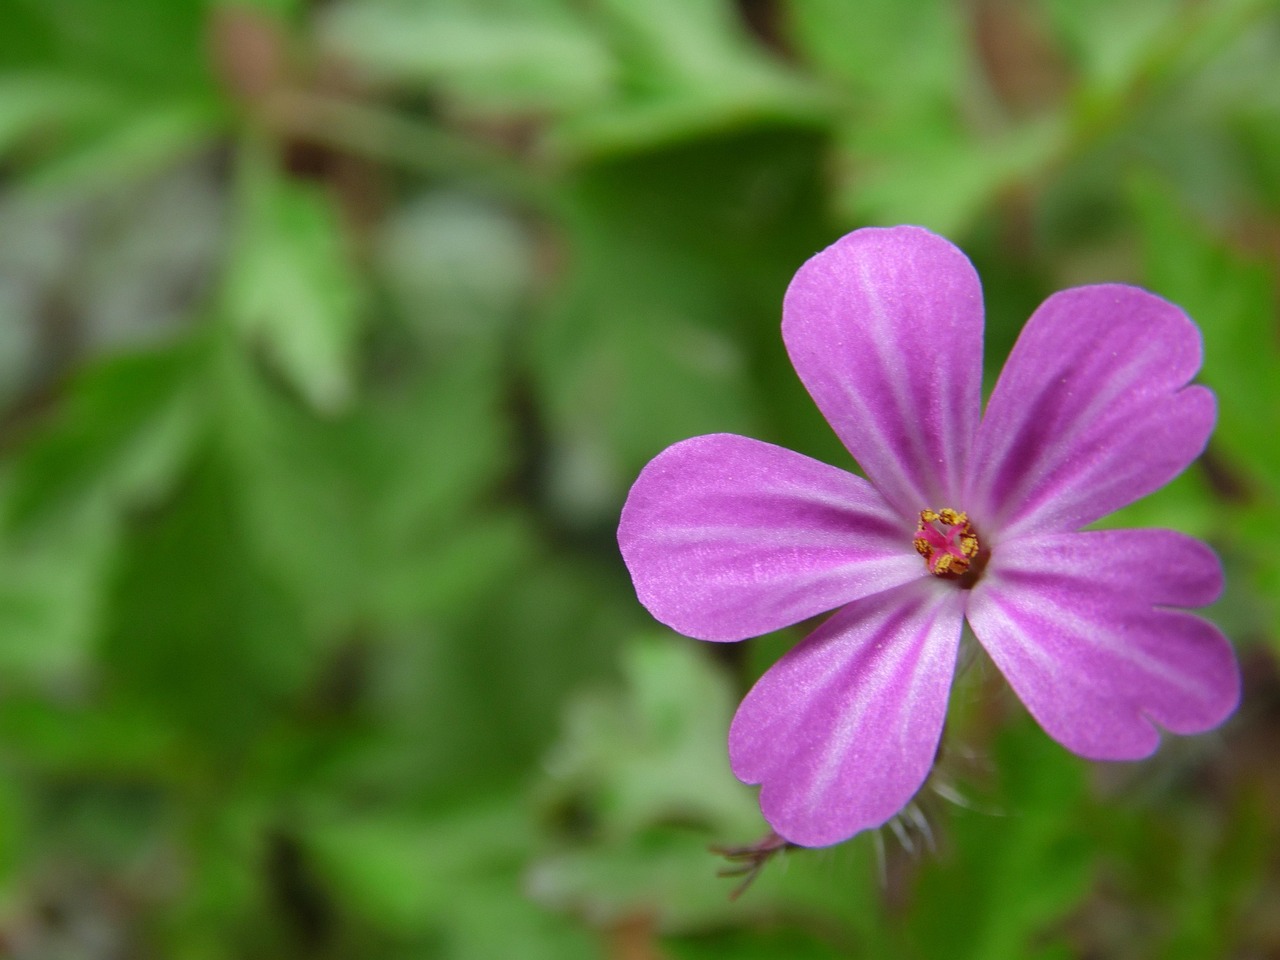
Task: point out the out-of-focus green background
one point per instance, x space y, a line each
331 336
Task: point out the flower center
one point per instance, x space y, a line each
947 542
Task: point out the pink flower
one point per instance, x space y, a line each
963 516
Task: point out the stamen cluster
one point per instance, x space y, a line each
950 551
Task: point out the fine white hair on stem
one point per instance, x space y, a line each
903 837
921 823
952 795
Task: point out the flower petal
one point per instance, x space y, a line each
1080 625
1090 413
885 329
728 538
842 731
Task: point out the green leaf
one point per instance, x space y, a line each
117 439
91 739
493 58
27 39
659 754
33 103
51 598
125 146
1232 300
686 70
906 54
455 874
1109 42
1231 297
764 943
371 512
648 775
913 145
935 174
197 628
290 284
147 46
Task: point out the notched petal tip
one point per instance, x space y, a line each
1090 631
1091 412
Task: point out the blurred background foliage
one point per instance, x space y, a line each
331 336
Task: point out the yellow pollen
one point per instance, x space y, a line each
947 542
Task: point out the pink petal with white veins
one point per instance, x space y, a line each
728 538
842 731
1081 625
1091 412
885 329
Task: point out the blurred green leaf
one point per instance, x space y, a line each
917 143
369 513
543 630
197 628
686 70
51 599
118 742
290 284
1233 300
659 755
123 148
117 439
150 46
497 57
1220 870
33 103
768 943
936 174
26 37
650 775
908 54
456 874
1110 43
